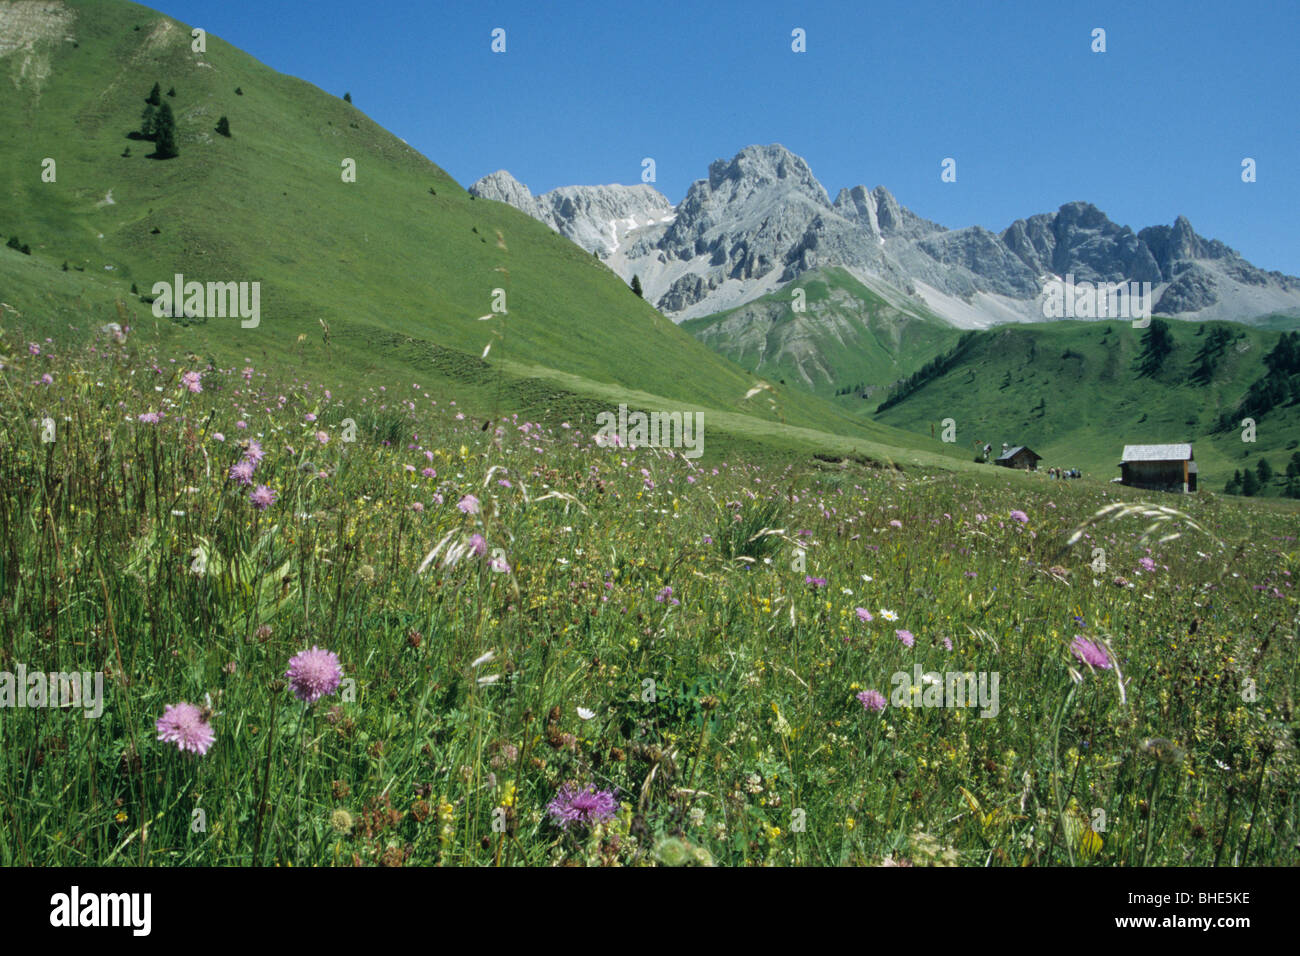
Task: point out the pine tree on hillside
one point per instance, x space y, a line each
347 97
155 95
223 127
165 134
1156 346
171 91
1249 483
636 285
1233 487
149 123
1265 471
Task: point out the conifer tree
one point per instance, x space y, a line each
165 133
223 127
155 95
636 285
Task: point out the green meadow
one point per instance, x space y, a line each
517 610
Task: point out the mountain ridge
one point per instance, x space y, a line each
762 218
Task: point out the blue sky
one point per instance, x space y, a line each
1156 126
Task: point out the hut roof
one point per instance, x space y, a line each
1012 452
1181 452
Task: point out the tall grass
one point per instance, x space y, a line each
718 697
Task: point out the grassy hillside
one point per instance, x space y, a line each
399 265
1071 392
848 336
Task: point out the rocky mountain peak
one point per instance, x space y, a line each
761 219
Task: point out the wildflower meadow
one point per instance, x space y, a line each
361 626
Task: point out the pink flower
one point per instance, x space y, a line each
468 504
193 381
895 523
151 418
254 452
584 806
478 545
1090 652
872 700
1020 516
183 725
864 615
1147 564
263 497
323 437
242 471
906 637
314 674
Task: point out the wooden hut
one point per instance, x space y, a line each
1022 456
1159 467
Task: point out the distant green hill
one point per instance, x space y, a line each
1072 392
827 332
399 265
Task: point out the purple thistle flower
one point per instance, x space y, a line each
872 700
1020 516
242 471
906 637
254 451
1090 652
864 615
263 497
666 595
183 725
151 418
583 806
193 381
314 674
468 504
